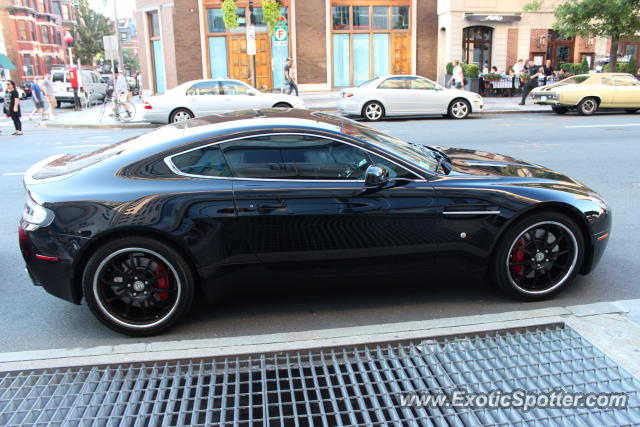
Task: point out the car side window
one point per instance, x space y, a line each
395 171
295 157
234 88
205 161
606 81
204 88
626 81
395 83
422 84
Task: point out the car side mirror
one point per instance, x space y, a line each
376 176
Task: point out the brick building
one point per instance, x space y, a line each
334 43
498 32
33 31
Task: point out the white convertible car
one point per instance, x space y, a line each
203 97
407 96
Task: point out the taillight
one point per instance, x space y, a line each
37 215
147 106
347 95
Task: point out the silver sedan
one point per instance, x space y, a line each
203 97
405 95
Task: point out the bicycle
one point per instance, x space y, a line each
125 111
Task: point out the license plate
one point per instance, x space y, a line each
543 98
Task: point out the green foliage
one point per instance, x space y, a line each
449 67
131 61
585 65
492 77
230 14
271 12
602 18
91 27
470 71
575 67
624 67
533 6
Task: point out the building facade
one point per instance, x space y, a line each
499 32
33 31
334 43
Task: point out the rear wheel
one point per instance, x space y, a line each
458 109
538 256
137 285
180 115
560 110
373 111
283 105
588 106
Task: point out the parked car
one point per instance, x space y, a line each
402 95
137 227
26 90
3 87
587 93
199 98
90 86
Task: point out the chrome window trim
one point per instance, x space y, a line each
174 169
471 212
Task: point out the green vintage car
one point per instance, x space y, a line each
587 93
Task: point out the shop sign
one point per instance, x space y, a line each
473 17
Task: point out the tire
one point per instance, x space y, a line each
180 115
560 110
588 106
458 109
283 105
520 266
118 285
128 106
373 111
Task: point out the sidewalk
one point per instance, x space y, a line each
326 101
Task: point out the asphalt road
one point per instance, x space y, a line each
602 152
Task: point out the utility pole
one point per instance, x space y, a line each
252 22
115 24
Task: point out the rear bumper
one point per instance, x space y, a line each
348 106
50 260
155 117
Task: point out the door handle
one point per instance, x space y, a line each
269 207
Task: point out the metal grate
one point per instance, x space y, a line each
334 387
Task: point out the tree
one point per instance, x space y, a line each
92 26
131 61
601 18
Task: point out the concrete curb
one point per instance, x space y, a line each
606 325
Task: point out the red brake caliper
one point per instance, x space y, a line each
517 255
163 283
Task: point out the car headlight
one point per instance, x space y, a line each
37 215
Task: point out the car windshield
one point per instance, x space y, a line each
413 153
367 82
573 80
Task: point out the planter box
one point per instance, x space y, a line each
473 85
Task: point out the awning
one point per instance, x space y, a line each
6 62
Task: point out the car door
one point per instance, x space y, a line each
606 92
238 96
427 97
395 93
626 92
204 98
301 199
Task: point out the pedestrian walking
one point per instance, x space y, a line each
38 100
139 84
12 106
121 93
458 76
289 75
47 86
533 81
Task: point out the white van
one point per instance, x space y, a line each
91 87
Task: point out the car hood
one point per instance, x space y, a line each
481 163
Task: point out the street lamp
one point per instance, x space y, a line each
68 39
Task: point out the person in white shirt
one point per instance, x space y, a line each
518 66
458 76
121 93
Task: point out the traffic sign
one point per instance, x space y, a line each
251 40
280 34
110 47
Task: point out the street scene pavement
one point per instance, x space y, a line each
600 151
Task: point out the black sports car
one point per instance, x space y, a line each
137 227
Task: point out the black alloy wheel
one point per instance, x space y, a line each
137 285
538 256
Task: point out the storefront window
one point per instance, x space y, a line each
215 23
400 17
261 26
380 17
476 46
154 24
340 17
242 21
360 17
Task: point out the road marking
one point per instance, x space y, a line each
604 126
99 137
82 146
13 173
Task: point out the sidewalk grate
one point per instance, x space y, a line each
329 387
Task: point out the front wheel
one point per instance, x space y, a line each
282 105
458 109
587 106
137 285
560 110
538 256
373 111
180 115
